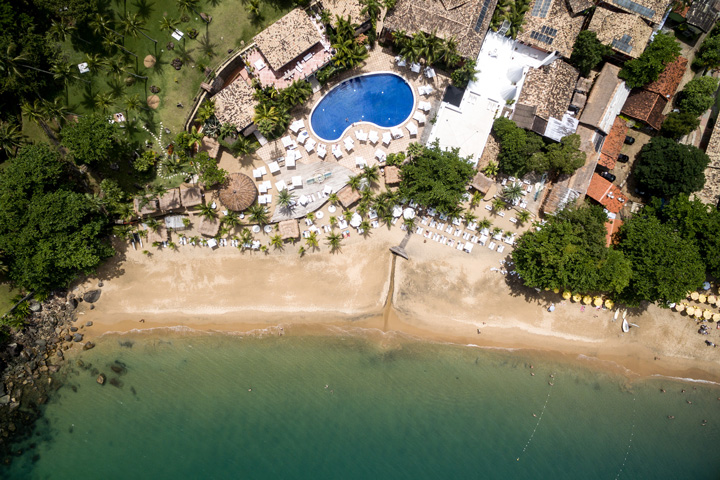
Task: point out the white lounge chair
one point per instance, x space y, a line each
274 167
297 181
304 135
360 162
415 68
297 125
396 133
336 151
349 144
380 155
424 106
400 61
287 142
419 117
412 128
361 135
322 150
279 185
386 138
310 145
373 137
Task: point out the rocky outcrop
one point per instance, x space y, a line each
92 296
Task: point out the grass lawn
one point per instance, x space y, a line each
231 25
6 295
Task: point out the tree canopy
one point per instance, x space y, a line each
698 95
588 52
49 231
678 124
569 252
665 168
665 266
708 55
650 64
91 140
436 178
563 158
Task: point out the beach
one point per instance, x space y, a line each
439 294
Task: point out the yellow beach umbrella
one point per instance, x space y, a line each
679 307
577 297
716 317
609 304
698 313
597 301
694 295
712 299
566 295
556 290
702 298
707 314
690 310
587 299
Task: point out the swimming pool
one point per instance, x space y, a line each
384 99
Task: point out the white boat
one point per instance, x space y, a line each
617 312
625 326
624 313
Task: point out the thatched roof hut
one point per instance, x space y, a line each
238 192
148 209
481 183
209 226
289 229
211 146
392 175
190 196
170 200
348 196
160 236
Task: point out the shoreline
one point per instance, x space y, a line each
440 295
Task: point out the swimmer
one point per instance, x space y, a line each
249 389
671 417
683 390
552 376
531 366
532 374
662 390
689 402
534 415
551 384
326 386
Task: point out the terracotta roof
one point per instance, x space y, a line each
456 19
549 88
481 183
669 80
537 30
703 14
148 209
235 104
170 200
392 175
347 196
238 192
612 226
651 10
211 146
208 226
345 8
190 195
289 229
606 194
287 38
613 143
607 90
624 32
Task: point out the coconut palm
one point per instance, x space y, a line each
365 227
64 72
371 8
498 204
366 196
276 241
513 191
333 199
206 211
133 25
491 169
347 215
258 214
270 118
496 231
152 224
355 182
132 103
415 149
11 138
334 240
168 24
475 199
409 224
187 6
469 217
253 8
102 25
95 62
55 110
523 216
286 200
245 237
206 110
35 112
194 138
333 221
12 65
103 101
60 30
371 174
310 216
484 223
363 208
231 219
312 241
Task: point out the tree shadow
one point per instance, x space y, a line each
117 88
112 268
88 98
144 8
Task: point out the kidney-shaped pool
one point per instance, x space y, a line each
384 99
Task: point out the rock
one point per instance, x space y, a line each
73 329
101 379
116 383
100 284
35 306
40 342
119 368
68 338
92 307
77 337
92 296
59 353
88 346
89 324
4 400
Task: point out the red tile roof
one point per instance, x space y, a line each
606 194
613 143
669 80
612 226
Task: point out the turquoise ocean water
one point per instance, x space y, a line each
413 410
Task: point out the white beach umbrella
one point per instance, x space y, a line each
397 211
356 220
409 213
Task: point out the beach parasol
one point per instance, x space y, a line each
702 298
698 313
716 317
712 299
690 310
707 314
409 213
566 295
706 286
556 290
597 301
679 307
587 299
238 192
694 295
356 220
609 304
149 61
577 297
153 101
397 211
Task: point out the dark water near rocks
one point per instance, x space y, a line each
184 409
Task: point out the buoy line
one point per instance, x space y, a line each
537 424
632 433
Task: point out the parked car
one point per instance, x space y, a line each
622 158
601 168
608 176
629 140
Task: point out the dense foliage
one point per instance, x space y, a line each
665 168
708 55
522 151
698 95
650 64
665 266
678 124
49 231
569 252
272 113
436 178
465 74
588 52
92 139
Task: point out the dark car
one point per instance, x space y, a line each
608 176
629 140
601 168
622 158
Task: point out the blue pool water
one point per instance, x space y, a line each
384 99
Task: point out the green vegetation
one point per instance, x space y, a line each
569 252
272 114
698 95
649 65
433 49
49 231
678 124
708 55
588 52
92 139
665 168
350 50
514 12
522 152
465 74
436 178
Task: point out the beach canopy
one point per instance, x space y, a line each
409 213
587 299
556 290
716 317
698 313
679 307
566 295
707 314
690 310
577 297
356 220
238 192
609 304
597 301
397 211
712 299
706 286
694 295
702 298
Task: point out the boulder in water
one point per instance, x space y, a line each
92 296
88 346
101 379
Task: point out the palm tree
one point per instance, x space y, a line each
132 24
513 191
103 101
371 8
152 224
168 24
102 25
11 137
206 110
245 237
35 112
333 221
55 111
277 241
186 6
258 214
491 169
195 138
63 71
409 224
286 200
334 240
60 30
206 211
132 104
355 182
253 8
312 241
415 149
484 223
496 231
498 204
231 219
10 63
475 199
94 62
347 215
523 216
301 250
371 174
469 217
365 227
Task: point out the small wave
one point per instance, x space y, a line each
687 379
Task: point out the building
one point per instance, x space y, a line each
652 11
560 195
347 196
288 39
345 9
613 143
703 14
170 200
544 100
289 229
647 104
627 34
606 194
392 175
551 26
143 207
603 105
711 191
190 196
465 21
482 184
235 104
